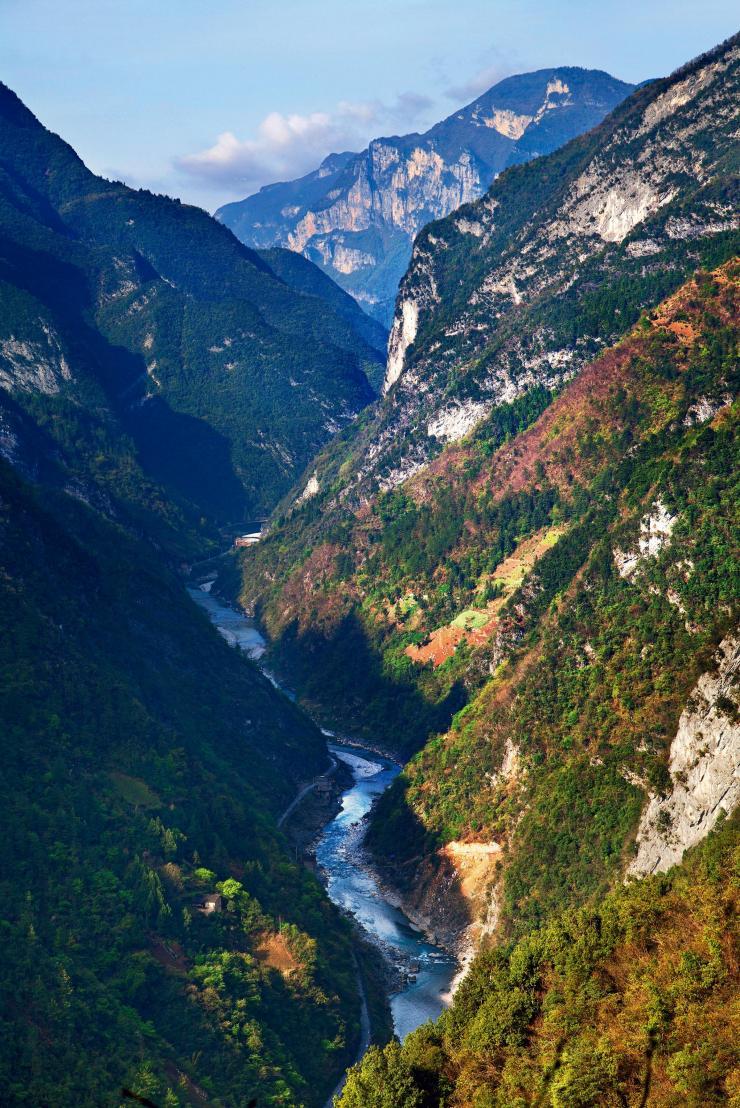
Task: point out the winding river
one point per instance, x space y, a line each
427 970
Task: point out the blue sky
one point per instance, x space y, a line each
209 99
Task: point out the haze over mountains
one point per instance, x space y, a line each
356 216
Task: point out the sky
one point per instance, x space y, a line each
208 100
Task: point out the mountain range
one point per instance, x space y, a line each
520 568
129 310
507 556
525 286
356 216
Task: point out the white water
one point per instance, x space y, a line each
349 882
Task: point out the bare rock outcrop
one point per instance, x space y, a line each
356 216
704 767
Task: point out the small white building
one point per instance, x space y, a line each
210 904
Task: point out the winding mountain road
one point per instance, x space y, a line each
307 789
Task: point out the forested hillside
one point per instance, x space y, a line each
307 278
604 618
571 581
121 309
144 765
631 1002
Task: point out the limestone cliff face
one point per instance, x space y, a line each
357 215
34 366
498 296
704 768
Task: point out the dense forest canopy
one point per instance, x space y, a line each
517 571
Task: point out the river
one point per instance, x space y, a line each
339 857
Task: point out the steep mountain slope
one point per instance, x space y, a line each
569 321
357 214
521 289
127 314
505 293
627 1003
575 578
144 765
569 568
607 651
159 381
306 277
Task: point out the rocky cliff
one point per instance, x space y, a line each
704 768
517 292
504 294
357 215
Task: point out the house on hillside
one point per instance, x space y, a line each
209 904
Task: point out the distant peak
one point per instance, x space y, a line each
334 162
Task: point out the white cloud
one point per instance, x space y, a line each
288 146
284 146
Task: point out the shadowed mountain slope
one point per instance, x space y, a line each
132 311
145 763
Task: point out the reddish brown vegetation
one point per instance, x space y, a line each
272 950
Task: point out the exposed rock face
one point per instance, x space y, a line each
34 366
482 308
655 532
454 423
357 215
311 489
704 767
404 333
455 895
